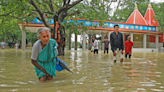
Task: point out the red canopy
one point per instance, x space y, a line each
150 16
136 18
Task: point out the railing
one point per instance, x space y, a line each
150 45
161 49
137 44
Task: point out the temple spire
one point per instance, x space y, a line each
149 6
136 7
150 16
136 17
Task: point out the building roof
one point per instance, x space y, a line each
150 16
136 17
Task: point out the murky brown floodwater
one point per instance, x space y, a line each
93 73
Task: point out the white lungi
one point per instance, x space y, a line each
117 51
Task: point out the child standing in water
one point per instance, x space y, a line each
16 45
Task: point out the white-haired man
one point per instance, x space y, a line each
43 55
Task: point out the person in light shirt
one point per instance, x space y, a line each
96 46
2 44
16 45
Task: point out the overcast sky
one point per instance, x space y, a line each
114 5
156 1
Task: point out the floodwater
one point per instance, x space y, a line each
92 73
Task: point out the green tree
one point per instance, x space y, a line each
158 9
58 10
9 29
42 9
31 37
126 7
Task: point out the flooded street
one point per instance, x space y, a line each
92 73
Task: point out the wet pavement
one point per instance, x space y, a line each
93 73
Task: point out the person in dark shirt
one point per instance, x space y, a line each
64 40
106 44
92 40
117 44
26 42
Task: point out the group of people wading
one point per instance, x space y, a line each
44 51
117 44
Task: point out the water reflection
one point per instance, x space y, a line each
93 73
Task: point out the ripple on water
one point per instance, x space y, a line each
93 73
5 85
157 90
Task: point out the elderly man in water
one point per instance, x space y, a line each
43 55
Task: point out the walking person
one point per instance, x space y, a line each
16 45
128 47
92 41
63 45
96 46
44 54
117 44
106 45
90 46
3 44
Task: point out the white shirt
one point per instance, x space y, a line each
36 49
2 43
96 44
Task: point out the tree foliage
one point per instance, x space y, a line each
126 7
158 9
42 9
9 30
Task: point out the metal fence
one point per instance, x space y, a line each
137 44
150 45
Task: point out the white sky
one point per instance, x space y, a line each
156 1
79 38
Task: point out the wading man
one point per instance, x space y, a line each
106 45
128 47
117 44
